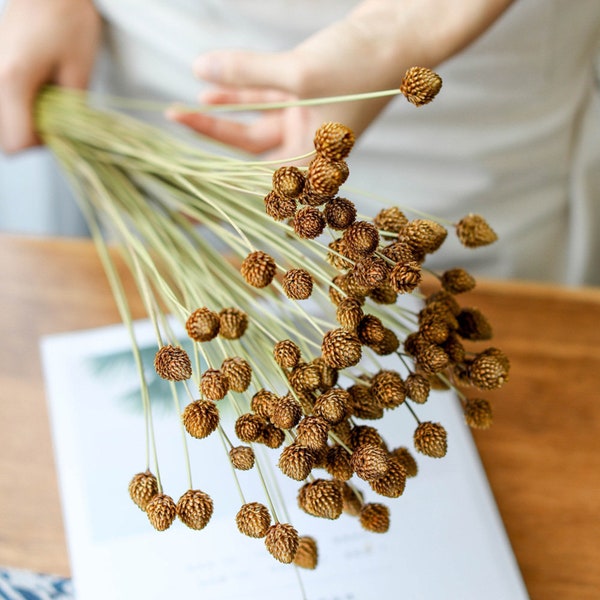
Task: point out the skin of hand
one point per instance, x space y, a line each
368 50
41 42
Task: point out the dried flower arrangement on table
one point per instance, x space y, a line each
302 382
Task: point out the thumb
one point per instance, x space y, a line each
240 68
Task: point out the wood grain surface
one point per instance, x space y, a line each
542 455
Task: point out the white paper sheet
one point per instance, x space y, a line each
446 538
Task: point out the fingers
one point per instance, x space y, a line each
226 95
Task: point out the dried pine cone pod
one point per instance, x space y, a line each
431 358
288 182
329 375
248 427
307 555
388 345
279 208
336 257
253 519
282 542
161 511
442 297
370 330
333 405
417 387
305 377
352 500
309 223
375 517
339 213
478 413
237 372
454 348
242 457
390 219
431 439
388 389
296 461
233 323
349 313
325 176
487 371
262 403
473 325
403 252
142 488
334 141
371 272
297 284
384 294
362 403
286 412
341 349
392 484
200 418
213 384
423 235
361 238
194 509
337 463
258 269
321 498
369 461
434 329
173 363
365 434
271 436
312 432
286 354
420 85
457 281
473 231
407 460
202 325
405 277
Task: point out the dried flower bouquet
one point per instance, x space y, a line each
233 248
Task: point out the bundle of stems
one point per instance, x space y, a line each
232 249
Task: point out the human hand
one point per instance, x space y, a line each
41 41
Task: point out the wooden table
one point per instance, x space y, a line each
542 455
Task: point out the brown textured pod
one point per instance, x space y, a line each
384 294
200 418
402 252
478 413
361 238
253 519
238 373
325 176
305 377
420 85
375 517
454 348
203 325
431 439
173 363
161 511
369 461
286 354
271 436
340 213
334 141
142 488
473 325
362 403
312 432
248 427
392 484
349 313
337 463
213 384
309 222
434 329
439 310
194 509
329 376
423 235
405 277
352 499
336 256
370 330
233 323
262 403
288 182
473 231
242 457
417 387
321 498
390 219
457 281
388 389
370 272
279 208
258 269
488 371
365 434
341 349
407 460
431 358
333 405
388 345
282 542
307 555
286 412
296 461
445 298
297 284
